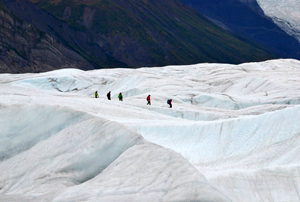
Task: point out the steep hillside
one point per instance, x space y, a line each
152 33
247 19
86 55
285 13
25 48
111 33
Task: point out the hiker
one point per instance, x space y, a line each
148 100
96 94
169 101
120 97
108 95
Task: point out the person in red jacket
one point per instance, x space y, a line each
148 100
170 102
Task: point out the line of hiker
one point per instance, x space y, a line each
120 96
108 95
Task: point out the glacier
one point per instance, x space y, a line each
233 134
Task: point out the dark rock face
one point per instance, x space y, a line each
246 18
113 33
25 48
80 43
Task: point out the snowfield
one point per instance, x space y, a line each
233 134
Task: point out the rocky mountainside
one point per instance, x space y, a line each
247 19
115 33
25 48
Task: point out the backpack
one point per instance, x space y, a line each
168 101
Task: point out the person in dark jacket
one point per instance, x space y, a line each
108 95
148 100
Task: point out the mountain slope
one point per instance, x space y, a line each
59 31
152 33
25 48
285 13
246 18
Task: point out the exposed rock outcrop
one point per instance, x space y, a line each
25 48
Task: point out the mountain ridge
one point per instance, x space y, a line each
247 19
285 14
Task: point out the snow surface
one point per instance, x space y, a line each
233 134
285 13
